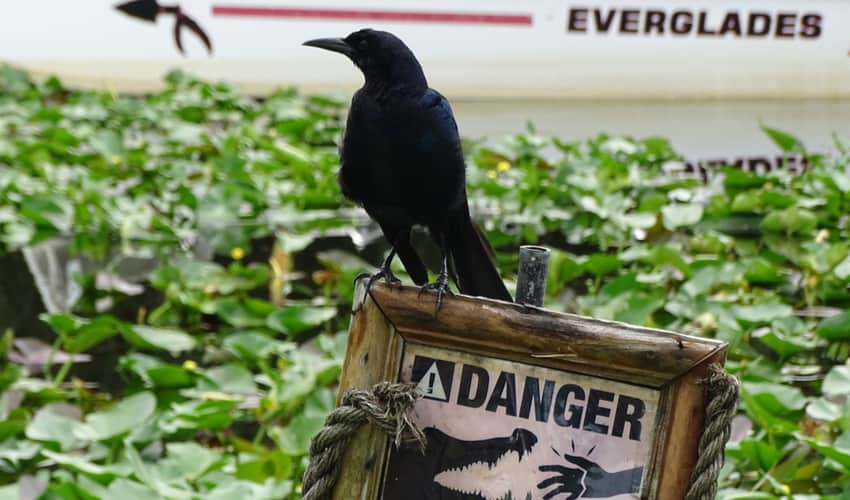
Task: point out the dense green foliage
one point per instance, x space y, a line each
215 390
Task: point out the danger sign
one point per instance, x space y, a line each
521 403
498 429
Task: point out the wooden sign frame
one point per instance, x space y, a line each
671 363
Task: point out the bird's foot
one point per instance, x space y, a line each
441 286
384 273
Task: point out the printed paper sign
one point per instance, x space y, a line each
503 430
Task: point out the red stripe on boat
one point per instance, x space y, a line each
375 15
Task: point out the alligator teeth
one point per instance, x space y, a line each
491 480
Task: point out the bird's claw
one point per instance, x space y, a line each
441 286
387 274
383 272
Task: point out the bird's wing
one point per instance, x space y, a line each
471 256
357 156
439 118
439 153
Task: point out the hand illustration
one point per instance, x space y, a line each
584 478
569 481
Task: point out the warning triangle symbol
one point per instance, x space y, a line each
431 385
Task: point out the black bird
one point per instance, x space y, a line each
401 160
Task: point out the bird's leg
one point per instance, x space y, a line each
441 284
384 272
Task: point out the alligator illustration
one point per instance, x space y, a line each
410 475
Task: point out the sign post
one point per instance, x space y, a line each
520 402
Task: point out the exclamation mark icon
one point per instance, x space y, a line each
431 385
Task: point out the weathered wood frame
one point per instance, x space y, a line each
672 363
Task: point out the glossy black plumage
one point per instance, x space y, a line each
401 159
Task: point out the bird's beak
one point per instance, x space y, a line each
332 44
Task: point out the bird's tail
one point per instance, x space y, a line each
473 259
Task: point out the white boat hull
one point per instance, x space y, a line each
470 49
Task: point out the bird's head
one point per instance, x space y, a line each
380 55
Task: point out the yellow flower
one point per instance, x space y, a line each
503 166
811 281
491 174
237 253
822 236
707 321
190 365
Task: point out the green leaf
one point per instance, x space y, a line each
600 264
231 378
150 337
252 346
66 491
762 313
837 381
125 416
292 242
189 461
229 489
14 423
295 319
213 414
761 271
168 376
638 309
735 179
15 452
89 335
79 334
835 327
840 454
243 313
89 468
824 410
774 407
842 270
785 337
792 220
680 215
294 439
777 397
109 144
53 427
748 201
126 489
744 495
9 492
784 140
761 454
640 220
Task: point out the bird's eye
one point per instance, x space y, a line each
363 44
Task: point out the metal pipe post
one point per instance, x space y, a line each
531 281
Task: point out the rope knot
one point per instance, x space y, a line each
386 405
